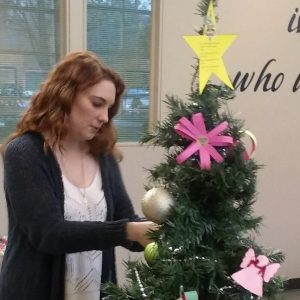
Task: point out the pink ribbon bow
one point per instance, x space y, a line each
202 141
254 271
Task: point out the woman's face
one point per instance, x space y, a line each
90 110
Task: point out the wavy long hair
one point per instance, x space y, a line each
46 113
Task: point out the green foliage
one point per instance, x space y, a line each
203 7
209 229
212 222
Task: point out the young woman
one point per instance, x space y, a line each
67 205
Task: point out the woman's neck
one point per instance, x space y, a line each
68 145
74 146
76 163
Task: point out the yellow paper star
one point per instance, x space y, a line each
210 48
210 51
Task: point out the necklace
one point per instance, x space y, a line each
82 191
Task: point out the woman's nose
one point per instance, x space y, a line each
103 116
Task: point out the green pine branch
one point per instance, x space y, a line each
212 223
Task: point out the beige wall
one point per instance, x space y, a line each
261 27
272 116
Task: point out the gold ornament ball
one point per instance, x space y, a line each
151 253
156 205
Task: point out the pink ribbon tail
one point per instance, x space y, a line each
189 151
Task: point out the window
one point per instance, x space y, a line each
28 49
119 32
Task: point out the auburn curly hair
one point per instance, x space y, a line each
74 73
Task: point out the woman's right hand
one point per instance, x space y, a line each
137 232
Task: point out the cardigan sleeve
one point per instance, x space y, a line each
36 210
122 202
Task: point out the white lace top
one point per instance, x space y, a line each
83 269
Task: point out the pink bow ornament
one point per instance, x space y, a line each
255 271
202 141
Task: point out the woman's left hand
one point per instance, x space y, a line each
138 232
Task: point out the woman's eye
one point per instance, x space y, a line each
97 104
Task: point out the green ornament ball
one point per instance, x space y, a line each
151 253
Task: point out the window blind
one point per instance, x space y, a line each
29 33
118 31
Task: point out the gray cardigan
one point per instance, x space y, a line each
39 237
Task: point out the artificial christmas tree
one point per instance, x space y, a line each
205 190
